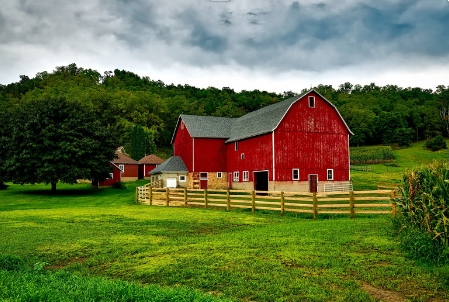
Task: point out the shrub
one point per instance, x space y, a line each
3 186
424 209
119 185
436 143
11 263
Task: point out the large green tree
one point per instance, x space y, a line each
51 140
138 142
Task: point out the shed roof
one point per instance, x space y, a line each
173 164
123 159
151 160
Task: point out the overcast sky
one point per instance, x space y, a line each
273 45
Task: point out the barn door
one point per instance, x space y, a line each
203 180
313 183
230 180
261 181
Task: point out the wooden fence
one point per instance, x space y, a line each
350 203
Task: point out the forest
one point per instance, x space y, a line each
122 99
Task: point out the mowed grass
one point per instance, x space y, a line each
231 255
405 158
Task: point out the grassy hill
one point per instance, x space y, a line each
405 158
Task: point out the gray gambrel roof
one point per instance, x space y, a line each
258 122
173 164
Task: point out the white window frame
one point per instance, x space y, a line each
311 98
236 177
245 176
182 178
236 146
293 174
327 174
203 178
122 168
242 156
219 175
111 175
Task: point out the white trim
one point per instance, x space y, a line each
219 174
254 178
293 174
327 174
308 101
203 178
236 177
184 180
193 155
111 175
272 144
245 173
121 167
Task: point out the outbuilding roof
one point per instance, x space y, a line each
258 122
173 164
123 159
151 160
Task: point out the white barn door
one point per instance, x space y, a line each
171 182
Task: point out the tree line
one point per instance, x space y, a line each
122 99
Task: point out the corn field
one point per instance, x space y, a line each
371 155
424 201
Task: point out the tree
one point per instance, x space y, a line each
150 144
53 140
138 142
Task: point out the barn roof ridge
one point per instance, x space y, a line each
258 122
173 164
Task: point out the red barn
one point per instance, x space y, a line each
300 144
129 167
148 163
114 177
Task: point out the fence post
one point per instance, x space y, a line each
151 196
205 198
228 201
185 197
253 201
166 197
137 194
314 206
393 203
351 204
282 203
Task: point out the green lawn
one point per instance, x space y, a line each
235 255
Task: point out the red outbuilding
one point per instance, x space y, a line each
148 163
114 176
129 167
299 144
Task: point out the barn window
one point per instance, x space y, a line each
245 175
330 174
111 175
182 178
236 146
236 176
122 168
295 174
311 101
203 176
219 175
182 125
242 156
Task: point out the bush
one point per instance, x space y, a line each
119 185
11 263
3 186
436 143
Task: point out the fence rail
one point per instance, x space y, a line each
357 202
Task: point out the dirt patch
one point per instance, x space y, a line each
64 265
382 294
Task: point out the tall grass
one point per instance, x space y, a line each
371 155
424 209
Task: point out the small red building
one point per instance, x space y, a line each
148 163
129 167
114 176
299 144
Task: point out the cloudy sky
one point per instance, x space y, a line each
273 45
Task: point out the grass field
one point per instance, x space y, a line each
207 255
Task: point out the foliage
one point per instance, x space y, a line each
119 185
11 263
138 142
424 201
371 155
52 139
122 99
436 143
3 186
233 254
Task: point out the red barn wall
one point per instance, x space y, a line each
210 155
258 156
115 178
311 140
131 170
183 146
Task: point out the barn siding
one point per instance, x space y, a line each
131 170
183 146
311 140
258 156
210 155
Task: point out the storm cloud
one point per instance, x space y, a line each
271 37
